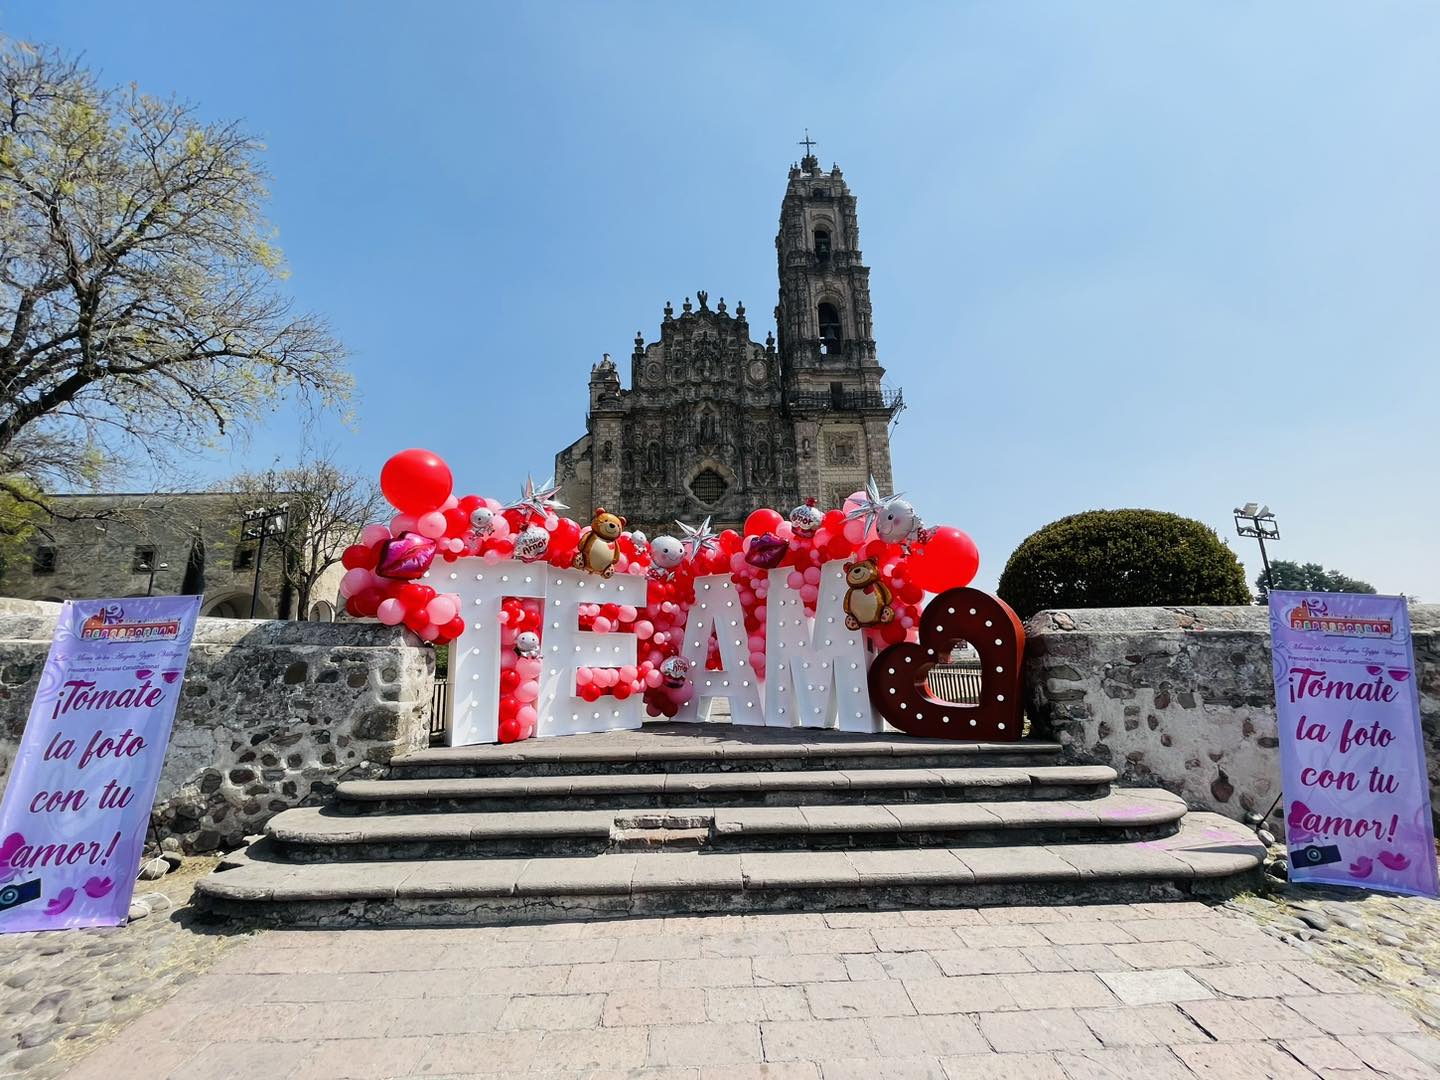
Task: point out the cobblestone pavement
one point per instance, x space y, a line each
1386 943
62 994
1153 991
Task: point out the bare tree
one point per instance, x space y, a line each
138 303
327 509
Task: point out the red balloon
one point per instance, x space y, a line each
509 707
948 560
469 504
509 680
352 605
416 481
417 620
415 597
509 730
358 557
367 601
457 522
453 629
761 522
729 545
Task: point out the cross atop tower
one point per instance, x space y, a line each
809 162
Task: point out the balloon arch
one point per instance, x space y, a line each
561 627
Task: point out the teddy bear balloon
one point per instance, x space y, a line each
598 552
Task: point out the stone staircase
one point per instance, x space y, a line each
688 818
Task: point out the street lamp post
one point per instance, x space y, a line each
1258 521
259 523
155 568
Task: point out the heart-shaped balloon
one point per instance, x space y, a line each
897 674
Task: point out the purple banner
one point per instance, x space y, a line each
1357 798
72 825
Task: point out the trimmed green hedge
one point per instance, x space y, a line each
1122 558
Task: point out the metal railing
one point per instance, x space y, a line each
845 400
439 709
957 681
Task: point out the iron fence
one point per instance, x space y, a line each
957 681
439 709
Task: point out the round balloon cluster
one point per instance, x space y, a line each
383 572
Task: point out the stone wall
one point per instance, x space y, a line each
1183 697
273 714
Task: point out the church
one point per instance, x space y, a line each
716 424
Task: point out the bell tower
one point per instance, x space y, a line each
833 383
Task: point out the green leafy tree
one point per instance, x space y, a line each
1122 558
139 302
1308 577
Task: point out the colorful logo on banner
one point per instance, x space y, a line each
1357 797
78 799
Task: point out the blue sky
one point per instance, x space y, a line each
1123 254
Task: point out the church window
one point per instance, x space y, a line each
708 486
829 324
822 243
44 560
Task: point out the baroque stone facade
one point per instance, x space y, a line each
714 423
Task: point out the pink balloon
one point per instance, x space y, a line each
602 625
785 530
812 575
402 523
355 581
810 593
390 612
442 609
526 715
855 531
796 579
374 534
644 628
499 528
653 678
584 676
527 691
430 633
628 673
628 613
682 694
432 524
527 668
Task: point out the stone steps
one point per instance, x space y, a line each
694 748
314 834
1208 855
772 787
709 818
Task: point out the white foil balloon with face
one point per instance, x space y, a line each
527 645
667 552
482 521
897 522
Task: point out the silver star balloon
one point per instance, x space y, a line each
537 500
699 539
873 505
